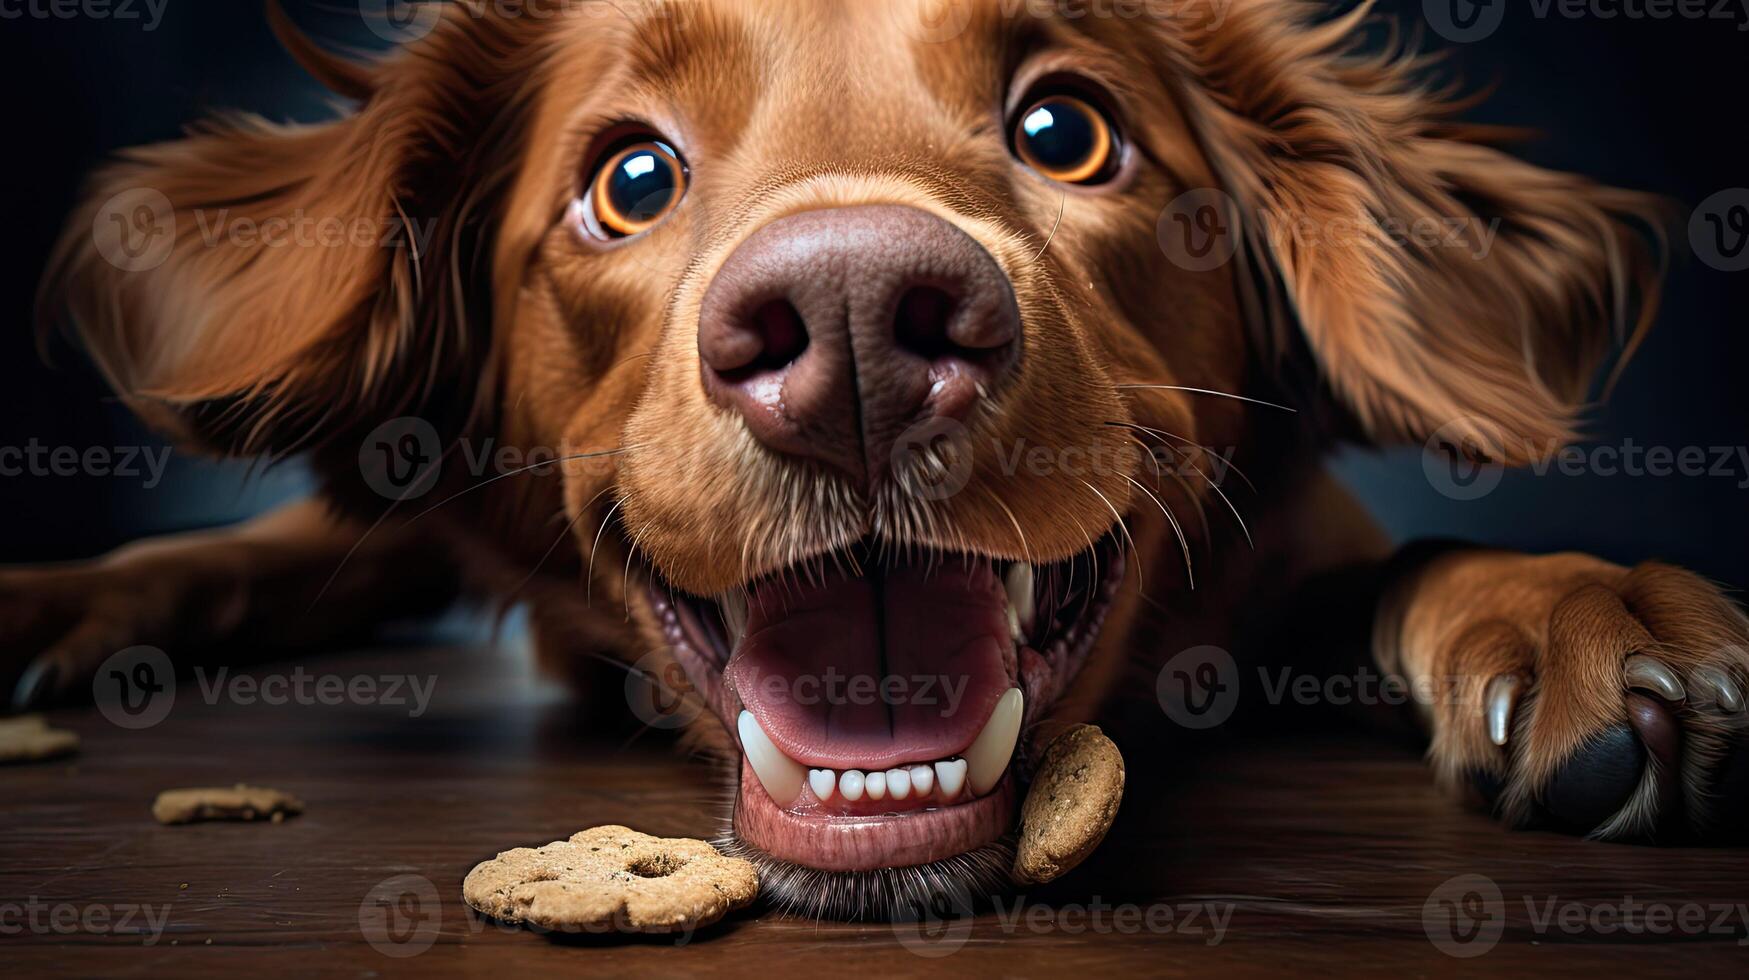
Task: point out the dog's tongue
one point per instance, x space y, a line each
902 665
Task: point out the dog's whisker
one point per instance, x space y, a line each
1178 529
594 548
1225 462
1062 206
1208 391
1125 529
1160 474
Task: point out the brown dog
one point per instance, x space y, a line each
883 346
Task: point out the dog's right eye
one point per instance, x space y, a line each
636 186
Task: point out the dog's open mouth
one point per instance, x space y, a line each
878 700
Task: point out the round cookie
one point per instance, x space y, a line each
612 878
1072 803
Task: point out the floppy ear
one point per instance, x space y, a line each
255 287
1441 285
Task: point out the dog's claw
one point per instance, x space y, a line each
1653 675
33 687
1499 701
1724 690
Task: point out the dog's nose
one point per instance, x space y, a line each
831 332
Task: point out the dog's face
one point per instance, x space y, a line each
881 367
855 307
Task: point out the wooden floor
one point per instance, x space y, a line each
1316 854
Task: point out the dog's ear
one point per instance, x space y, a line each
1442 286
257 287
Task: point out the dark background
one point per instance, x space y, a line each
1654 105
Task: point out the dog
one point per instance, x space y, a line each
885 357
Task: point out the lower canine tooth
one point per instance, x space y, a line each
951 775
733 603
988 757
899 783
781 776
822 782
850 785
876 785
1018 582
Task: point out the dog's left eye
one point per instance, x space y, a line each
636 186
1067 140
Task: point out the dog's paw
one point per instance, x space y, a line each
1588 698
59 624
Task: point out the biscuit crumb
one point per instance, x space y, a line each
28 738
240 802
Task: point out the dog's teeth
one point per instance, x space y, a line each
1018 582
850 785
951 776
822 782
733 603
988 757
875 784
922 780
781 776
899 783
